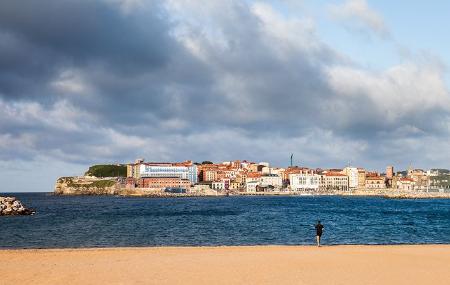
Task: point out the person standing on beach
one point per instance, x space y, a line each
319 228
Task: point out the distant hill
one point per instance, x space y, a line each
441 171
107 170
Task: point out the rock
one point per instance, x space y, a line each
10 206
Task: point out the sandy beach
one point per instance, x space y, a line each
404 264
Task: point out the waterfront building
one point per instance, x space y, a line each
353 176
201 188
271 180
405 183
164 183
188 172
361 178
130 183
333 181
294 170
235 185
251 186
218 185
375 182
308 181
182 170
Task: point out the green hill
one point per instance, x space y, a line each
107 170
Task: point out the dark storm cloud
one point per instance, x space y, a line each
41 38
86 81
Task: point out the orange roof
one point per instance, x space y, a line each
406 179
253 175
374 178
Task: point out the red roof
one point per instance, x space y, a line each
374 178
253 175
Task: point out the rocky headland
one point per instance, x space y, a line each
86 186
10 206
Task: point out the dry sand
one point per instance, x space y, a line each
415 264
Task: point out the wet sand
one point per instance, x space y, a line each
404 264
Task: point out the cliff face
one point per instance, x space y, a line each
86 186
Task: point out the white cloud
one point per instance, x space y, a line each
356 14
60 116
398 92
70 82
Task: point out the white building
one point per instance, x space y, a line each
271 180
266 170
218 185
333 181
250 186
304 181
352 173
167 170
264 164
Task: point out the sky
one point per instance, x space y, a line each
336 83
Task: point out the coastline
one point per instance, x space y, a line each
390 194
342 264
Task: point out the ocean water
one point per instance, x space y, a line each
107 221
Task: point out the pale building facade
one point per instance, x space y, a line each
361 178
218 185
304 182
251 186
353 177
375 182
333 181
405 184
271 180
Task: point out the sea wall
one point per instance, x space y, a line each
160 193
399 194
87 185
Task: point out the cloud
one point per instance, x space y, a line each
214 80
403 95
357 15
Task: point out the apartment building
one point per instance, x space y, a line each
333 181
304 181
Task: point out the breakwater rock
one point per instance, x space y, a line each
10 206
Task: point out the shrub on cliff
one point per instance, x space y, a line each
103 183
107 170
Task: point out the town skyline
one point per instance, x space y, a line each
242 177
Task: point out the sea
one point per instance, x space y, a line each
110 221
